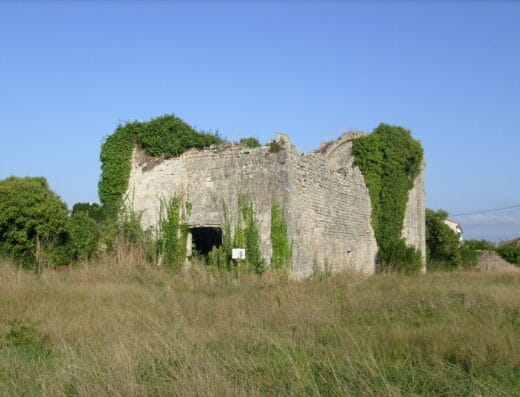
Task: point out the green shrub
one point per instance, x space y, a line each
219 258
274 147
442 243
33 220
390 160
470 251
83 236
250 142
400 257
469 256
166 135
479 245
129 227
95 211
510 253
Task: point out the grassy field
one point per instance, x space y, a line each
120 328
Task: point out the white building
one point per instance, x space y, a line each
455 226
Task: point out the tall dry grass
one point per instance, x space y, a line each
121 327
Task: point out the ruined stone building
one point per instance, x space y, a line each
324 198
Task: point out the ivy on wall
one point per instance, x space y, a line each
115 157
166 135
174 229
247 235
282 250
390 160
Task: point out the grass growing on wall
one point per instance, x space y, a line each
282 252
166 135
390 160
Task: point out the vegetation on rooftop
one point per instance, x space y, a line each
250 142
166 135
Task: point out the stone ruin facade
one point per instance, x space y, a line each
325 201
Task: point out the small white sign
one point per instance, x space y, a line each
238 253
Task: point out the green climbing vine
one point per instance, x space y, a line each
282 250
220 257
247 235
115 157
173 217
390 160
166 135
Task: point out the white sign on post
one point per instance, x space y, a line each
238 253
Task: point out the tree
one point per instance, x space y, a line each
442 243
33 219
94 211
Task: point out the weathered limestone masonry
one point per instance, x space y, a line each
324 198
414 226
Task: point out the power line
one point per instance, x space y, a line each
485 211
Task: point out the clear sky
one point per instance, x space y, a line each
448 71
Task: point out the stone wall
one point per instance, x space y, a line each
414 225
323 196
209 179
331 227
491 261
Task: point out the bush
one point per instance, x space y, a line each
470 251
274 147
250 142
510 253
94 211
400 257
442 243
170 136
83 236
479 244
33 219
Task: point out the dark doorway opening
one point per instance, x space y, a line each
205 238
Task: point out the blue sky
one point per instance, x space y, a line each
448 71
